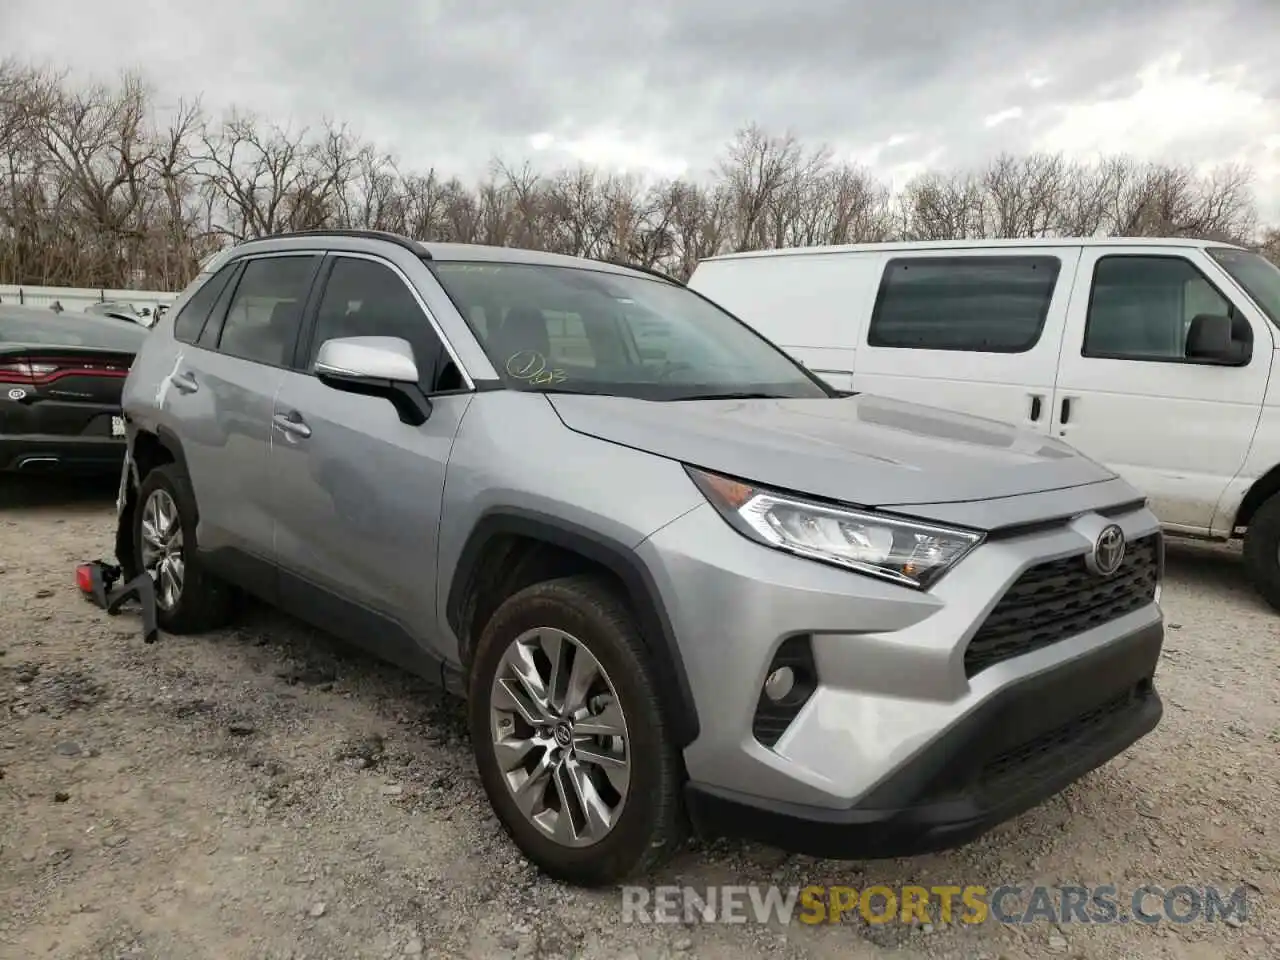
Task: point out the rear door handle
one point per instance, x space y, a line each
292 425
1037 402
184 383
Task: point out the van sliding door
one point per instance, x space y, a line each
972 330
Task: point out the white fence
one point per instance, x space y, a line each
77 298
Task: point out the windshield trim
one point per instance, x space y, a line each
1261 303
633 274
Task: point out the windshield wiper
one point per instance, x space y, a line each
733 396
603 390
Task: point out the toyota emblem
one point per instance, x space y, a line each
564 735
1108 551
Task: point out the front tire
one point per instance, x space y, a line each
188 598
1262 551
569 735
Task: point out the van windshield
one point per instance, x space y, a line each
1258 275
579 330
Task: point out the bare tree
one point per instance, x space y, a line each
1024 195
263 178
944 207
764 177
1269 245
97 190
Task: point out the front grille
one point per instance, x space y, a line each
1062 598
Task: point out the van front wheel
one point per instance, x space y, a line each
1262 551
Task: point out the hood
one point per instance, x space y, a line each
862 450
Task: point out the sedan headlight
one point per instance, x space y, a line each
904 551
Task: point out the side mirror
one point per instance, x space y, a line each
1217 339
375 367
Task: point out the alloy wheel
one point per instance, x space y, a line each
162 556
560 737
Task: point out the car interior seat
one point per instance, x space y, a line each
522 329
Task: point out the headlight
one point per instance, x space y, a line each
904 551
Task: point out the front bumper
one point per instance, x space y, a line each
897 687
1023 745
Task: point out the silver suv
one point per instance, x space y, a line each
681 583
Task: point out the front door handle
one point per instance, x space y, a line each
1066 411
292 425
184 383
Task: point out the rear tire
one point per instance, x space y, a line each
636 827
164 524
1262 551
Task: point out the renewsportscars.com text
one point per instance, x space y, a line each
970 904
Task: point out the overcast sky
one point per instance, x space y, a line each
660 86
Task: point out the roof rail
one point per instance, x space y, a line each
649 270
399 240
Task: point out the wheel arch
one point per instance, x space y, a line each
147 450
1262 490
509 549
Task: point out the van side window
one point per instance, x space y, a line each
978 304
1141 308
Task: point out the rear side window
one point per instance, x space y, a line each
265 312
978 304
191 318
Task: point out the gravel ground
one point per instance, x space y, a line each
262 793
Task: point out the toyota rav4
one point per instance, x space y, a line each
682 584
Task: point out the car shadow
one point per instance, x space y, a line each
35 491
1211 566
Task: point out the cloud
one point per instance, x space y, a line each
1001 116
662 86
1202 118
612 149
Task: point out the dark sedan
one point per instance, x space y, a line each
60 381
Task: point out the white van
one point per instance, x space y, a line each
1152 356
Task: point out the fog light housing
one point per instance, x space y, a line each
789 682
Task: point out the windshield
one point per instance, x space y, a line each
577 330
1258 275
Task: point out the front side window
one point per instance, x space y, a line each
363 298
1258 275
265 313
581 330
977 304
1141 307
